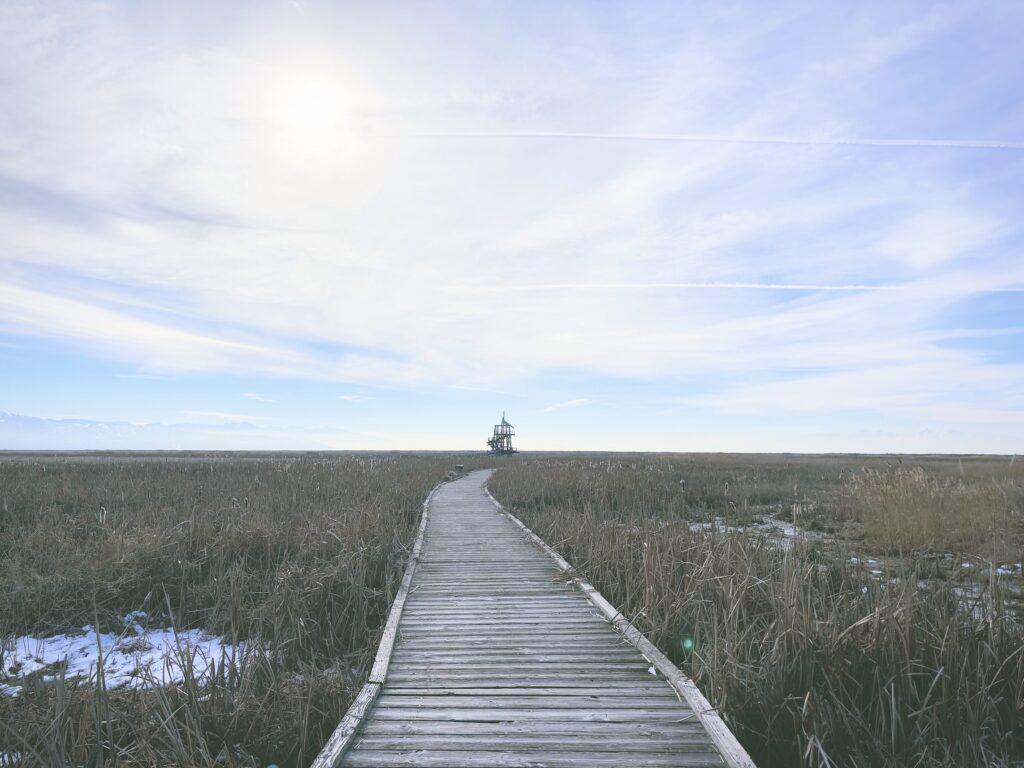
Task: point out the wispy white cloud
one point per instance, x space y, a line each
694 138
488 390
802 287
222 416
931 238
913 388
566 404
157 344
798 287
258 397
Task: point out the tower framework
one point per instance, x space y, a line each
501 441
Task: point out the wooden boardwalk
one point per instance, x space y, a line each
496 656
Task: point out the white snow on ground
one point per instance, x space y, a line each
768 525
780 533
135 657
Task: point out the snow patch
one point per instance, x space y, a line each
134 658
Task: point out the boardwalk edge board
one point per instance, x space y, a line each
344 734
731 750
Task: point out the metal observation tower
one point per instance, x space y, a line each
501 441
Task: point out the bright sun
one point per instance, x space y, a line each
311 107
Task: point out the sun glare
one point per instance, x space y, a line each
311 107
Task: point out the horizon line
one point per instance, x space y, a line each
485 452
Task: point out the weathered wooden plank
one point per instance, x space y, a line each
545 573
465 701
566 599
568 633
553 637
478 679
659 730
502 647
582 641
507 712
567 666
523 668
499 646
482 586
591 625
596 630
461 598
523 593
631 690
451 612
520 637
593 649
497 625
503 656
458 683
463 577
517 759
616 682
693 742
514 609
588 653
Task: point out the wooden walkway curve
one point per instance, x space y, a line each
495 655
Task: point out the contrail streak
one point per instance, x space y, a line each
738 286
696 138
725 286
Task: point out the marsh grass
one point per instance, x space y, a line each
812 662
904 509
300 557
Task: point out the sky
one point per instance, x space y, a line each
663 226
